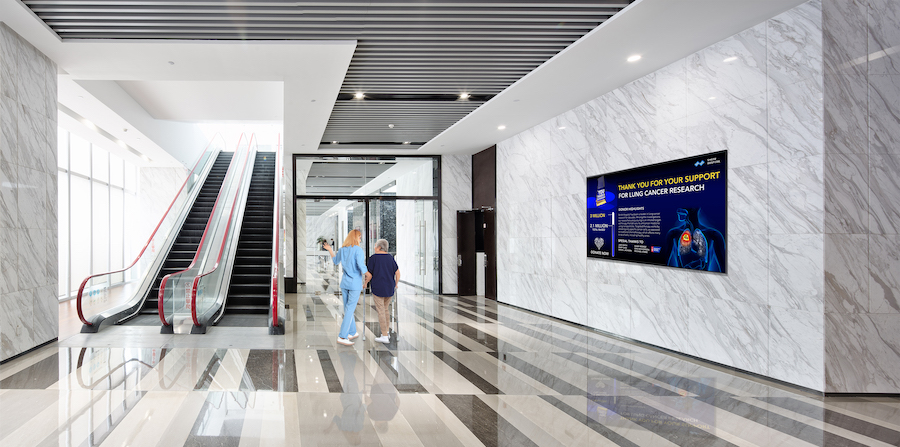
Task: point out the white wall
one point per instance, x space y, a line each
29 310
456 195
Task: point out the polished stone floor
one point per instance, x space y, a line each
458 372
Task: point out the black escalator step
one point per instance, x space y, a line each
252 269
246 309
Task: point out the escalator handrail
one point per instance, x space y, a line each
162 285
279 178
224 237
149 240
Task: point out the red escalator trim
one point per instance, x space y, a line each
279 173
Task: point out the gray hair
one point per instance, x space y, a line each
382 244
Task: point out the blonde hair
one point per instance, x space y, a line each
353 238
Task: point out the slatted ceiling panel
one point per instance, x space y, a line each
404 47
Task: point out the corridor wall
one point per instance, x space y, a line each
808 224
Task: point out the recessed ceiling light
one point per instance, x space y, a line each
359 95
729 59
634 58
406 142
391 126
562 127
464 96
501 127
334 142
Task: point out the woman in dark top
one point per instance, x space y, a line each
384 276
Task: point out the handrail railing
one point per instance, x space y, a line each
212 218
193 175
225 238
276 240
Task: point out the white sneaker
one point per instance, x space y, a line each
345 342
351 337
383 339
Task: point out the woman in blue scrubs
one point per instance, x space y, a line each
354 262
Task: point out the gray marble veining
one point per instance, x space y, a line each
609 308
9 208
845 36
861 358
45 318
9 152
652 315
747 278
567 174
32 198
884 37
15 323
884 274
569 300
796 196
9 260
846 273
569 216
31 258
738 126
796 347
727 71
795 120
729 332
884 191
796 271
9 60
846 113
846 198
795 44
884 107
748 202
31 78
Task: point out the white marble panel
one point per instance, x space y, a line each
729 70
51 91
846 198
796 266
449 268
884 193
9 260
15 323
748 268
32 139
884 271
32 198
456 190
9 208
795 44
796 196
570 135
9 61
609 309
739 127
32 256
569 260
796 347
845 36
9 148
51 259
45 318
52 201
845 113
884 36
748 204
623 134
31 78
669 100
504 286
534 293
567 175
846 273
795 120
884 107
569 299
729 332
862 353
658 317
532 219
569 216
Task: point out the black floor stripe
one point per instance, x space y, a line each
483 338
486 424
331 377
601 429
271 370
468 374
549 380
659 422
206 379
38 376
868 429
309 314
220 421
628 379
402 379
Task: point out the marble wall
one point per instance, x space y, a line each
862 195
29 313
756 94
456 195
156 191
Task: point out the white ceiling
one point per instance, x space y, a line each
310 73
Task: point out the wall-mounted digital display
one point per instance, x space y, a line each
673 214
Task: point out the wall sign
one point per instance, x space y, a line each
672 214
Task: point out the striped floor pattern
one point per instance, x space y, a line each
458 372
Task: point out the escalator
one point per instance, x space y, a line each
188 239
250 288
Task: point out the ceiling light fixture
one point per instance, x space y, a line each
501 127
334 142
391 126
634 58
562 127
406 142
730 59
359 95
464 96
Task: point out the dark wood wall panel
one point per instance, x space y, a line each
484 178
